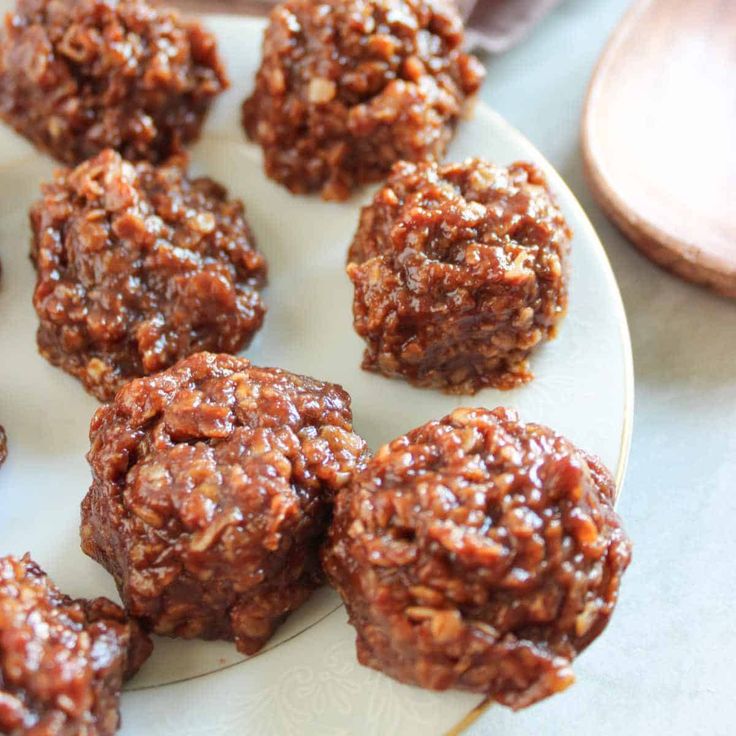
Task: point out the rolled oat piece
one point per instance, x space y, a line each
80 76
212 489
62 661
139 266
460 270
348 87
479 553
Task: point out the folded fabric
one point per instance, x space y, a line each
496 25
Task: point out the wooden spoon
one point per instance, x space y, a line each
659 135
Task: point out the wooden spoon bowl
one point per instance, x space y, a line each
659 136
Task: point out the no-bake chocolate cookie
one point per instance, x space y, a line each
139 266
348 87
62 661
80 76
480 553
213 485
460 271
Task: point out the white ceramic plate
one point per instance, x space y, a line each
307 681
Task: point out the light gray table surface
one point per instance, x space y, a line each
665 663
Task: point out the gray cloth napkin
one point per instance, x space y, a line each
493 25
496 25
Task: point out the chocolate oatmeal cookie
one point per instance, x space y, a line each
460 271
212 488
62 661
348 87
480 553
139 266
80 76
